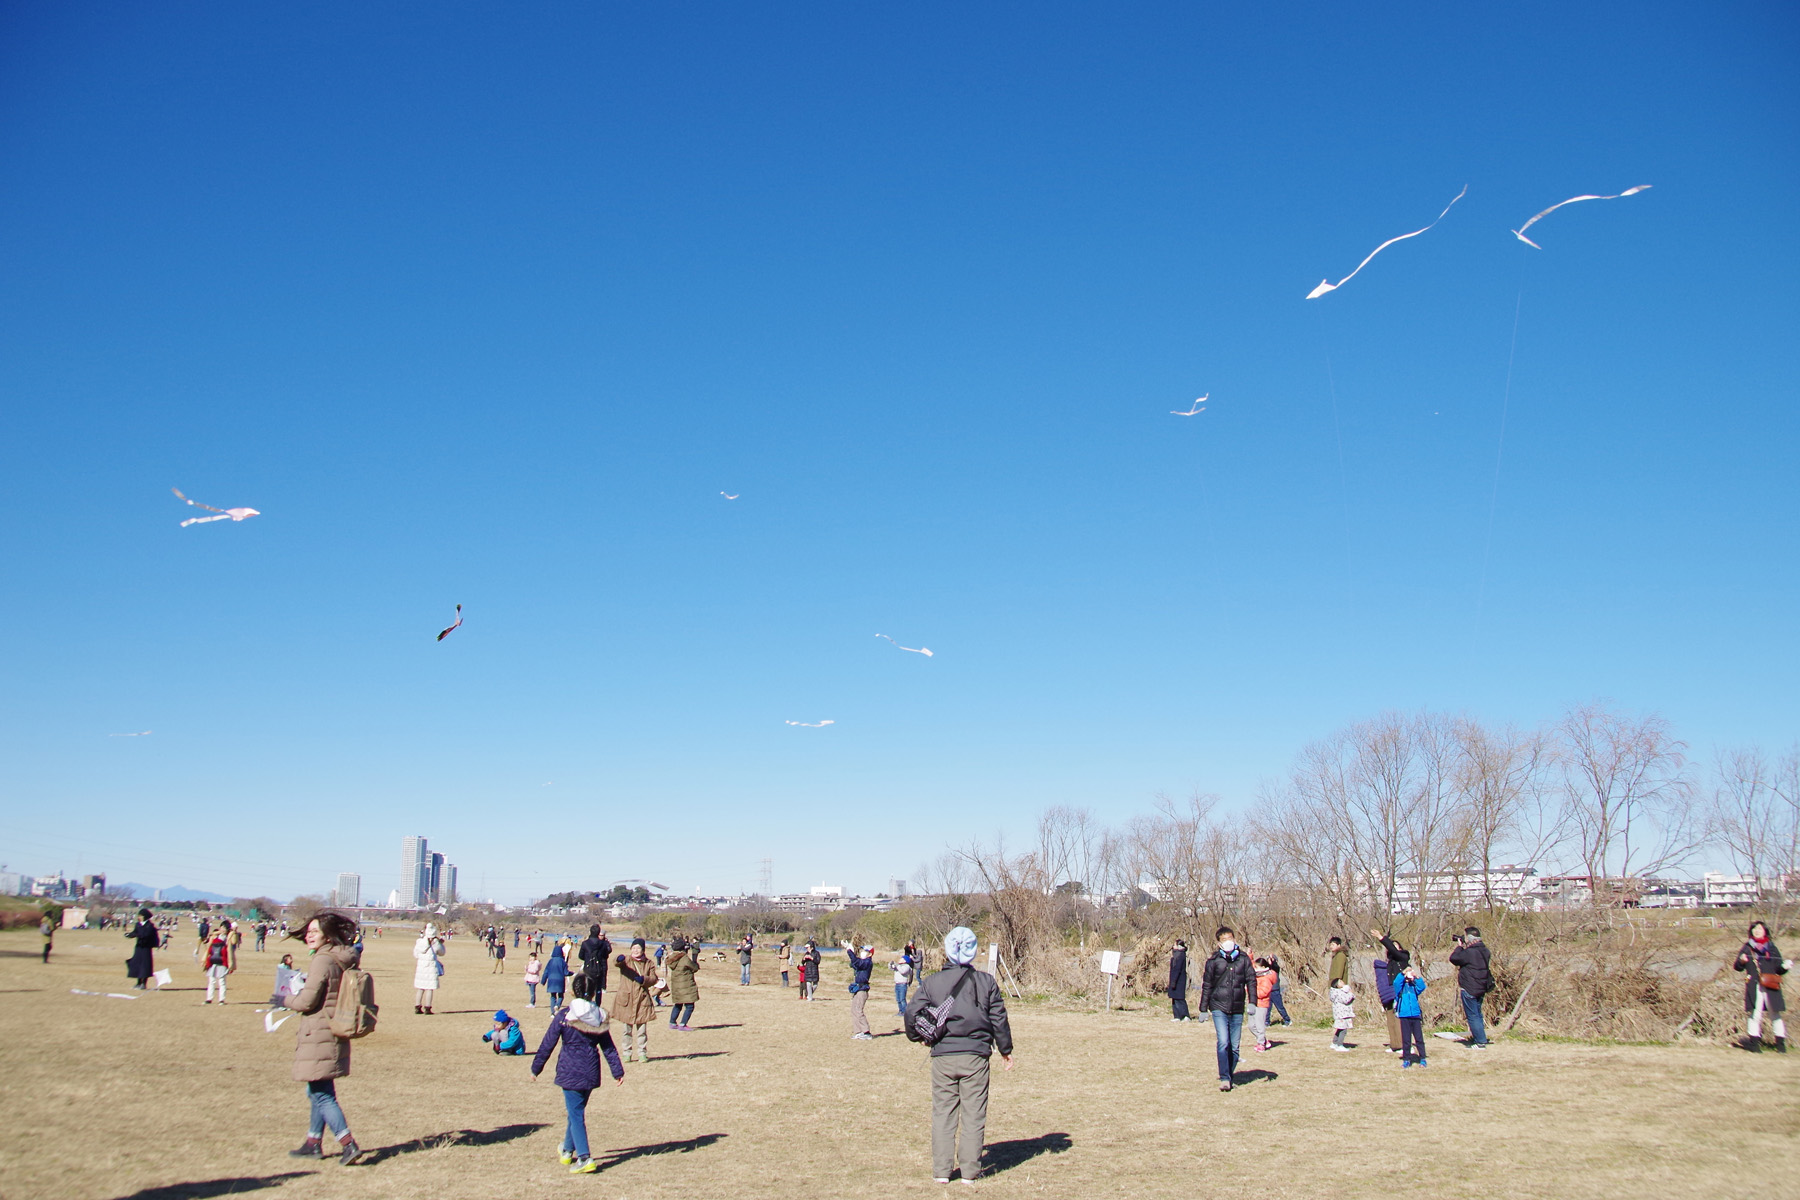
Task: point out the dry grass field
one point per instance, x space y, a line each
164 1097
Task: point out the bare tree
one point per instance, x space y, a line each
1500 779
1626 791
1755 816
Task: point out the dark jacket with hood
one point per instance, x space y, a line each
578 1066
593 954
1178 980
1228 984
1472 974
978 1022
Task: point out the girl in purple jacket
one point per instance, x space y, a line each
577 1074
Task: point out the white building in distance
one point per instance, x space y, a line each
348 893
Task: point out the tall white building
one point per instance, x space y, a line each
447 885
415 872
349 890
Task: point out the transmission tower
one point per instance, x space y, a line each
766 881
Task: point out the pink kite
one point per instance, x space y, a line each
446 633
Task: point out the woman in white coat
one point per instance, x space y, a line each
425 974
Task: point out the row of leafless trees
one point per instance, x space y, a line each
1369 813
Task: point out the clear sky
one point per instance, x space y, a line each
487 304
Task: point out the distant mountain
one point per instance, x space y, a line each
144 891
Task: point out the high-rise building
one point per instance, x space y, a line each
447 892
434 890
349 890
415 872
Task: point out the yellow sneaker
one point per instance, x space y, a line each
586 1166
566 1157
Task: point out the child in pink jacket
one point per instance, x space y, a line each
1265 988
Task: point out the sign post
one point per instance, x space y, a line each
1109 967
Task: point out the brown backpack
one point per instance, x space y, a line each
356 1009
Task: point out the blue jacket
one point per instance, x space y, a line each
555 975
1406 997
511 1039
862 967
578 1066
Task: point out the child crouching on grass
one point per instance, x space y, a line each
505 1037
581 1032
1343 1013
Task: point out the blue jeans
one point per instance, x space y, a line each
1228 1028
1275 1005
1477 1020
575 1135
745 980
325 1111
556 999
900 998
532 989
679 1014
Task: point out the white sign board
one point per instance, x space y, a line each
1109 962
993 958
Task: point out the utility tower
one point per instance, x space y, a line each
766 880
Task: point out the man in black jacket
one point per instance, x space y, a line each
1228 990
593 954
1475 981
959 1061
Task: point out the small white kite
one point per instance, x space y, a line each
446 633
908 649
1194 411
163 978
225 514
1520 231
1326 286
729 496
811 725
270 1024
145 733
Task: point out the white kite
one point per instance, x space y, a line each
270 1024
446 633
163 978
1325 286
1194 411
808 725
145 733
1520 231
908 649
225 514
729 496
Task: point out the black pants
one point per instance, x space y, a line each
1179 1008
1412 1039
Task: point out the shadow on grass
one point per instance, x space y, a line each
696 1054
1003 1156
733 1025
206 1188
1245 1078
455 1137
613 1158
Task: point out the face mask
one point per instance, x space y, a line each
1227 946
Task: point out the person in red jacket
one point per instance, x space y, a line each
1265 988
218 959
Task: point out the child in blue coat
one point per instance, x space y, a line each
505 1037
1407 990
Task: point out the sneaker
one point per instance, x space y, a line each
348 1152
586 1166
308 1149
1224 1085
684 1029
566 1158
1423 1063
943 1179
863 1037
1405 1065
1478 1045
1338 1048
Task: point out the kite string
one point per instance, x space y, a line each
1499 452
1338 430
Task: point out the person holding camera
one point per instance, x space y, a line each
1475 981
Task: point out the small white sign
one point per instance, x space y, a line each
993 958
1109 962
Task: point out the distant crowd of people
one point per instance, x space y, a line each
958 1012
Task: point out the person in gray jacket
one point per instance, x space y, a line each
959 1060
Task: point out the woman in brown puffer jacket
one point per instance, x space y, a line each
634 999
321 1058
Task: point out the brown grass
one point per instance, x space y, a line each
164 1097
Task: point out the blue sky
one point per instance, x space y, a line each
487 305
